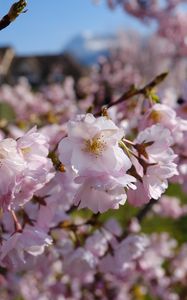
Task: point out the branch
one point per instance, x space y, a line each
133 91
139 216
144 211
16 9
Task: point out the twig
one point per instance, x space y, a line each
133 91
144 211
139 216
16 9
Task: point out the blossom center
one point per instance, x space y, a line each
95 146
26 150
155 116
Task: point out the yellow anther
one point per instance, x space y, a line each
25 150
95 146
155 116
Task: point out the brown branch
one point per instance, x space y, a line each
142 213
16 9
145 210
133 91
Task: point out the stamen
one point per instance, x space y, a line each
25 150
95 146
155 116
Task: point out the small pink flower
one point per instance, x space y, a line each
97 244
81 263
12 167
124 254
170 207
34 148
166 116
100 165
102 193
31 241
153 164
92 145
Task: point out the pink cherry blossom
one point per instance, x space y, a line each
12 166
154 164
34 148
108 188
92 151
81 264
92 145
163 114
124 254
31 241
97 244
170 207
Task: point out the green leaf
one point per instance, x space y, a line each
155 97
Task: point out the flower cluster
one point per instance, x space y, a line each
98 163
77 179
24 168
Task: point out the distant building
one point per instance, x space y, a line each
38 69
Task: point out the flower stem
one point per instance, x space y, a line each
18 226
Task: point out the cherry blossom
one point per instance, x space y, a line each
163 114
12 166
31 241
153 163
99 163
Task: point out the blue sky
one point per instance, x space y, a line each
50 24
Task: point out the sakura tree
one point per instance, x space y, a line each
93 182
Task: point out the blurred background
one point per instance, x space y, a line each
54 39
57 38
